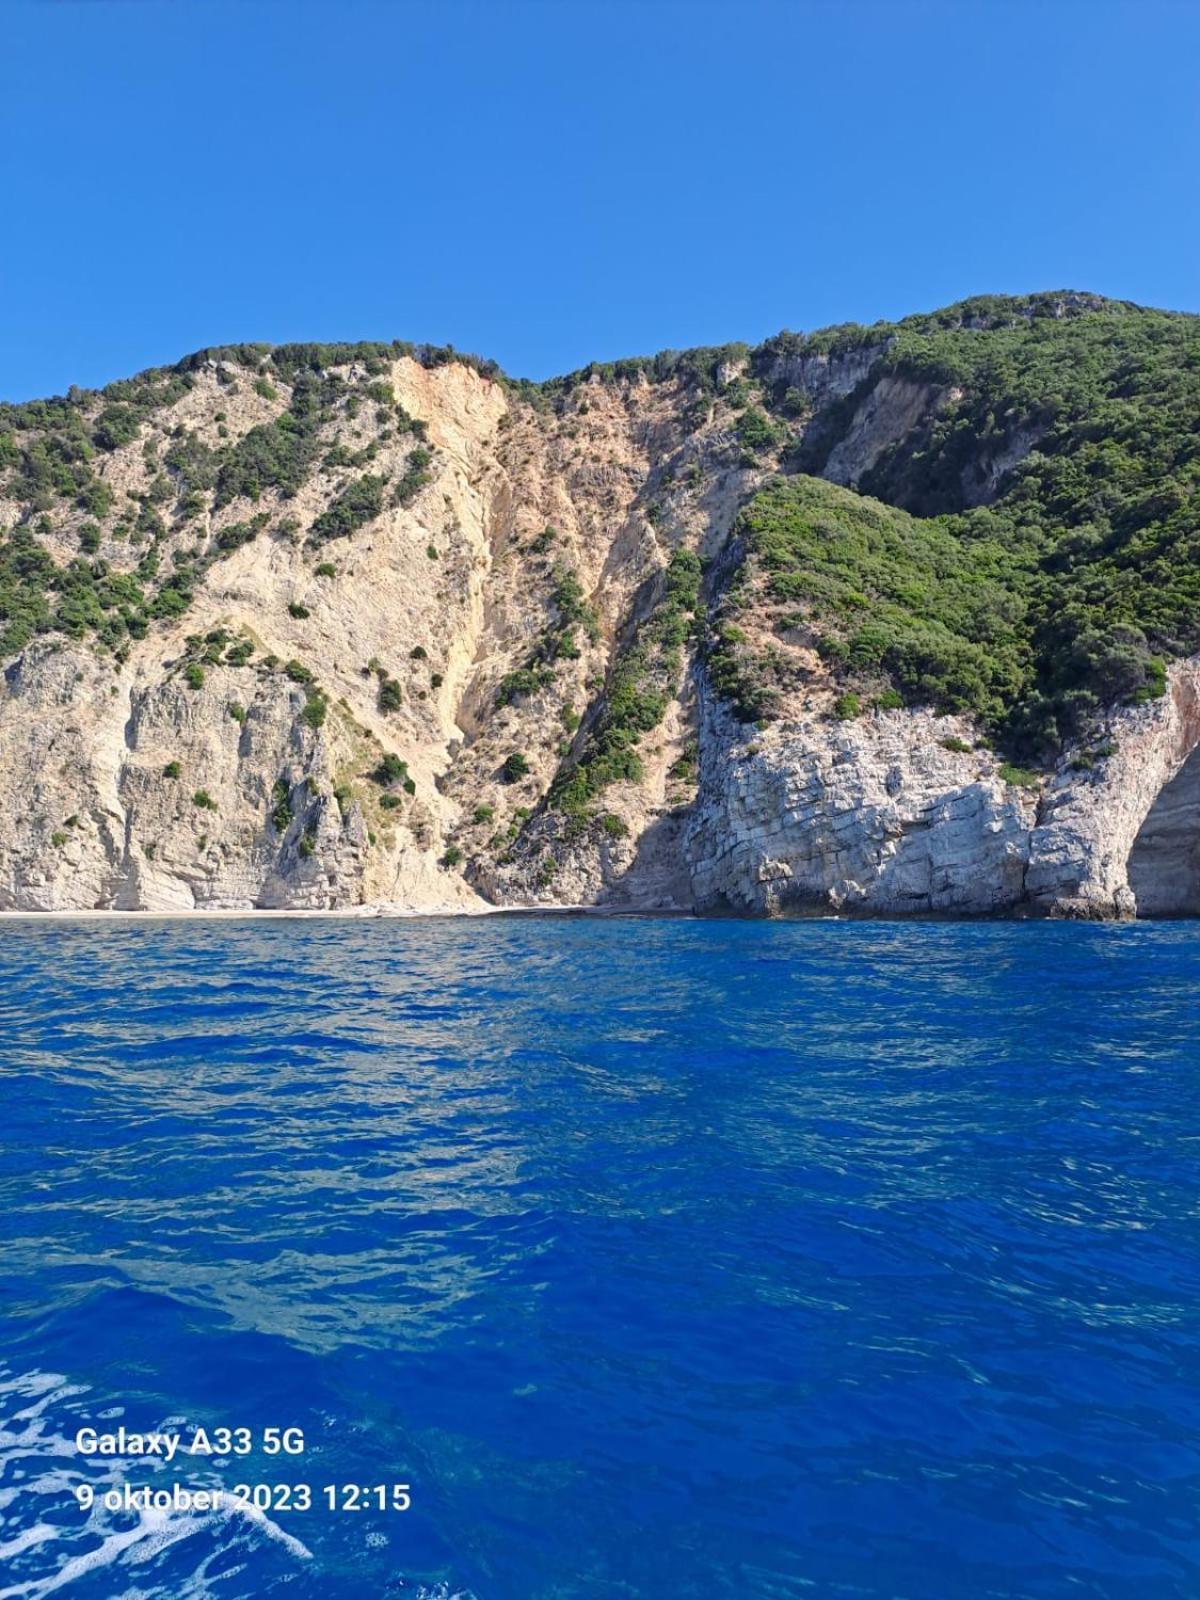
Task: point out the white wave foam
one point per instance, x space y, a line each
39 1413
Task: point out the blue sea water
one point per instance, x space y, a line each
665 1258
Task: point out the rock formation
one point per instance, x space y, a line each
369 679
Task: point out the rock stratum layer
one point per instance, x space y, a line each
370 626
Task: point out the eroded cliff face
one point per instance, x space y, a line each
901 812
383 712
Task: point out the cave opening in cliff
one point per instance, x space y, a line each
1164 864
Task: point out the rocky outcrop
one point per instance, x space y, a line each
1132 804
889 814
898 812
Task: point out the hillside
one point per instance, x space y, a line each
374 624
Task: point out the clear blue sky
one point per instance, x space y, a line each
553 181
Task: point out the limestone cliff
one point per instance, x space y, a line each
366 626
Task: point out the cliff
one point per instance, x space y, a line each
882 620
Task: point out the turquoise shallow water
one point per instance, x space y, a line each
661 1258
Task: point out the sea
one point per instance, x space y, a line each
553 1258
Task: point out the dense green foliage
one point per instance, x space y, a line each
946 608
1077 421
883 591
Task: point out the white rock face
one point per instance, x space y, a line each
878 816
873 815
1091 821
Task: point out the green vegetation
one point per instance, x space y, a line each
391 770
483 813
415 476
1077 419
637 692
516 767
452 856
390 697
203 801
1019 777
357 504
295 609
281 805
316 708
325 569
757 432
954 610
847 706
172 770
519 684
193 675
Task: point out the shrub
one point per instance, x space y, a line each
316 708
756 431
431 552
298 672
203 800
516 685
325 569
193 675
58 839
847 706
357 504
955 745
452 857
308 843
172 770
615 827
236 711
889 700
1019 777
418 652
295 609
281 808
416 476
516 767
389 771
390 697
390 802
483 813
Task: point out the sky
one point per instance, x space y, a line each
550 182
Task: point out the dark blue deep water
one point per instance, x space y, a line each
665 1260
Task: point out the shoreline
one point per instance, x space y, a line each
369 913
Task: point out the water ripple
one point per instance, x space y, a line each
665 1258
